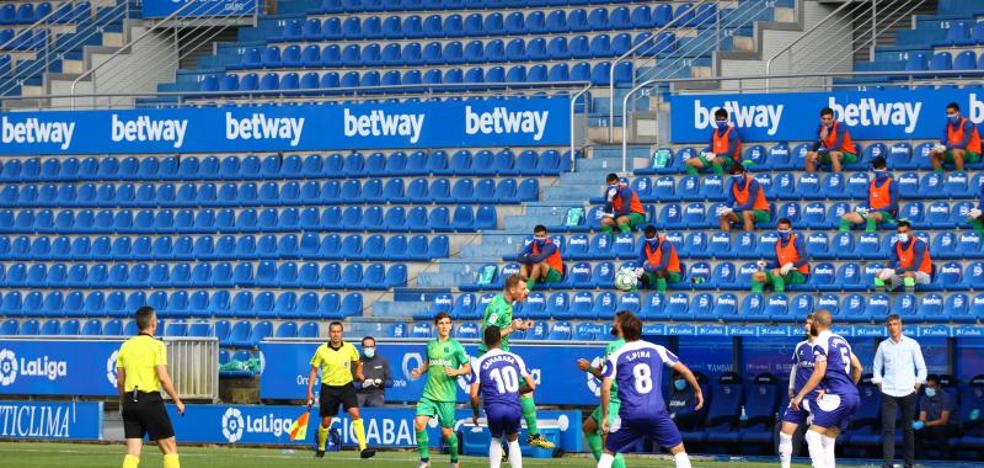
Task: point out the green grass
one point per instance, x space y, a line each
63 455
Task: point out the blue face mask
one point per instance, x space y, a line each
369 352
881 174
784 235
679 384
722 124
652 241
953 118
930 392
540 241
740 179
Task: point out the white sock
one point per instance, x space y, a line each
828 450
515 454
495 453
814 442
606 460
785 449
682 460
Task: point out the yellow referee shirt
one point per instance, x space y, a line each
139 357
335 364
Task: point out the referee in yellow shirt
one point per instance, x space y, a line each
336 358
141 368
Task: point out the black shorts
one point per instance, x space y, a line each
332 396
146 416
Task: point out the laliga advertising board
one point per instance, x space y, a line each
872 115
58 367
311 127
554 369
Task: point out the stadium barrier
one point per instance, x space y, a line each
69 366
165 8
51 420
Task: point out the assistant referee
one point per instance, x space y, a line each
336 358
141 368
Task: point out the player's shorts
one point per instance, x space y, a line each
846 158
834 410
613 408
623 434
443 410
970 157
333 396
636 219
146 416
726 162
759 216
797 416
793 277
503 419
886 216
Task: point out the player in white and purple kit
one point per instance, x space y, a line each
792 419
836 372
637 367
500 377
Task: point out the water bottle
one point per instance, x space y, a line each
744 416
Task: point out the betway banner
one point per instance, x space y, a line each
58 367
312 127
884 115
554 369
164 8
51 420
385 427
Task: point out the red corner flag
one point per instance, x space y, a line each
298 430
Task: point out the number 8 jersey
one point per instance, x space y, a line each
499 374
637 368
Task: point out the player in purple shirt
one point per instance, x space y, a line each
801 370
637 367
500 377
836 372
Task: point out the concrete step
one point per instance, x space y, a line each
399 309
497 250
444 280
569 193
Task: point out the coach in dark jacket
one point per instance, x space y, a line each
378 378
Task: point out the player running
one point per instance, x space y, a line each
637 367
446 360
592 431
836 372
798 375
499 313
496 376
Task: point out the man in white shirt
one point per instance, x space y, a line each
899 371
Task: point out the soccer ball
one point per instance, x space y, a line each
626 279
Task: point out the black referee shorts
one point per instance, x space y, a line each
146 416
332 396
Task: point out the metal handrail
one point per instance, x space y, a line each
911 75
768 63
611 72
574 99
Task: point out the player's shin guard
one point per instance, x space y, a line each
606 461
845 226
682 460
785 449
515 454
870 225
529 413
453 447
830 457
423 445
717 169
594 444
624 228
814 442
171 461
360 433
322 437
495 453
130 461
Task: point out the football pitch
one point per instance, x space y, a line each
15 454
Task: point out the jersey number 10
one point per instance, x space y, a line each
506 379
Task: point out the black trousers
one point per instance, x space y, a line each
935 438
890 407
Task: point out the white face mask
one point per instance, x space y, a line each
902 237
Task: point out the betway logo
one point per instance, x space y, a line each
757 116
872 112
144 128
261 127
380 123
501 121
33 130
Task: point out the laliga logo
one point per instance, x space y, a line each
232 425
8 367
111 368
594 384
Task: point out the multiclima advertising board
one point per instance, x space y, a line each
312 127
51 420
886 115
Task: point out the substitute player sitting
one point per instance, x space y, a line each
725 147
499 377
541 260
446 361
961 142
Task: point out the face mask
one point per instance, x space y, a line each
540 241
902 237
369 352
784 235
722 124
739 178
930 392
953 118
679 384
881 174
652 240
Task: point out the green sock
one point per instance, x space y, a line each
909 282
778 283
870 225
757 287
530 284
691 170
845 226
619 461
422 447
718 170
661 285
938 170
529 414
607 229
453 447
978 225
594 444
624 228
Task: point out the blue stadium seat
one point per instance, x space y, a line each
958 307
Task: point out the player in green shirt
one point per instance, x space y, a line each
446 360
591 426
499 312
